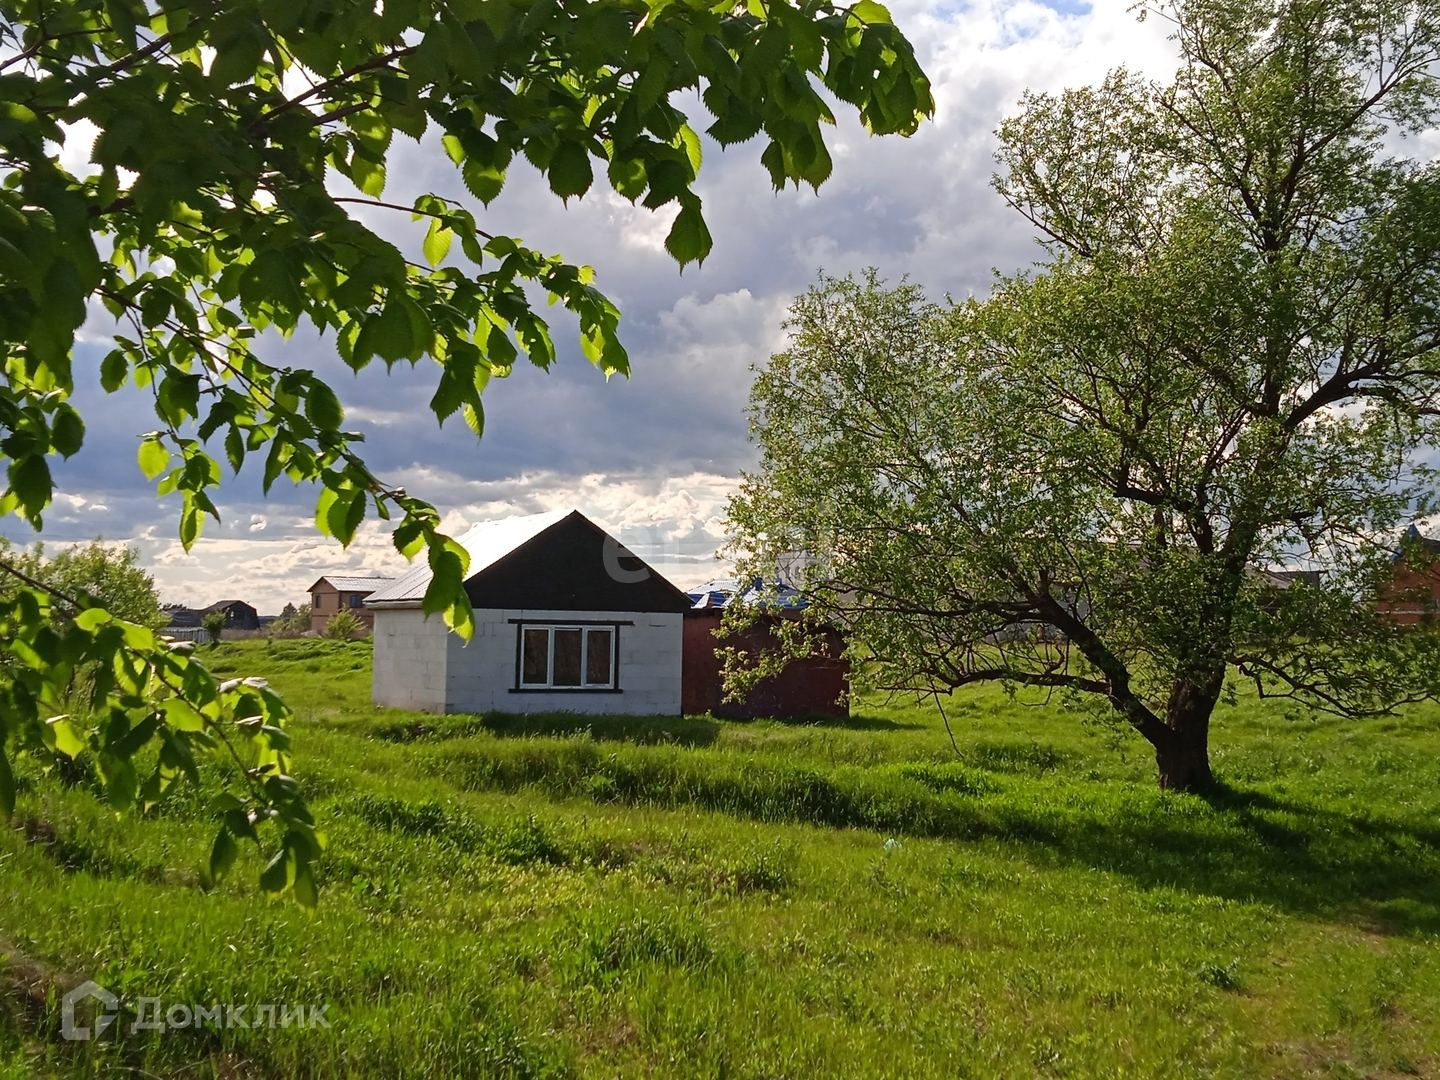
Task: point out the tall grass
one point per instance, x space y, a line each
564 897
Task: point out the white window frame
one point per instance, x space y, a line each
582 625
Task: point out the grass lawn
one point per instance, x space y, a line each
627 897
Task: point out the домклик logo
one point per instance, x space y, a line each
107 1010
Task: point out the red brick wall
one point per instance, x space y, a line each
1413 593
818 685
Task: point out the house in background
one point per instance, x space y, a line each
810 686
334 593
566 619
180 616
238 614
1412 594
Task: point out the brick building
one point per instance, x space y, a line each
1413 591
333 593
816 685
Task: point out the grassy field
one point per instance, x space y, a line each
555 897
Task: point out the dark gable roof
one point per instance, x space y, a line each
563 568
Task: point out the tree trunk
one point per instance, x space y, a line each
1183 759
1184 764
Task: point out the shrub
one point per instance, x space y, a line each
292 620
343 625
214 624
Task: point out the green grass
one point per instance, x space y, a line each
637 897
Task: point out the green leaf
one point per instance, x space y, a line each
7 782
369 176
305 891
323 407
175 754
122 20
69 431
323 506
691 142
121 782
393 338
483 180
153 457
31 483
460 617
475 418
182 716
238 56
437 242
67 740
235 449
354 514
409 538
279 872
449 395
222 854
140 638
689 240
91 619
570 172
191 524
113 370
270 278
222 803
454 148
870 12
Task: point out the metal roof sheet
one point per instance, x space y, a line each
356 584
486 543
714 595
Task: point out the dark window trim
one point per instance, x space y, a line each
566 690
572 622
613 688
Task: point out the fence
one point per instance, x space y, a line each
186 633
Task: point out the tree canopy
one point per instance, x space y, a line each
229 134
1105 477
110 575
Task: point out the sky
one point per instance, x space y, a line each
652 458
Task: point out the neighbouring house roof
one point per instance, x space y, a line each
1283 579
1415 536
560 561
716 595
182 615
351 584
221 605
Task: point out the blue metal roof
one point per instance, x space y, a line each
716 595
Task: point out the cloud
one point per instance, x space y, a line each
654 456
674 523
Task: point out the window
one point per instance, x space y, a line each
566 657
354 599
316 604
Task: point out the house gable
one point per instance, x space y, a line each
564 568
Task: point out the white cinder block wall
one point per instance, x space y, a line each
418 668
409 660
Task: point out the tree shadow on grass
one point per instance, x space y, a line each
1336 862
689 731
1250 846
848 723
